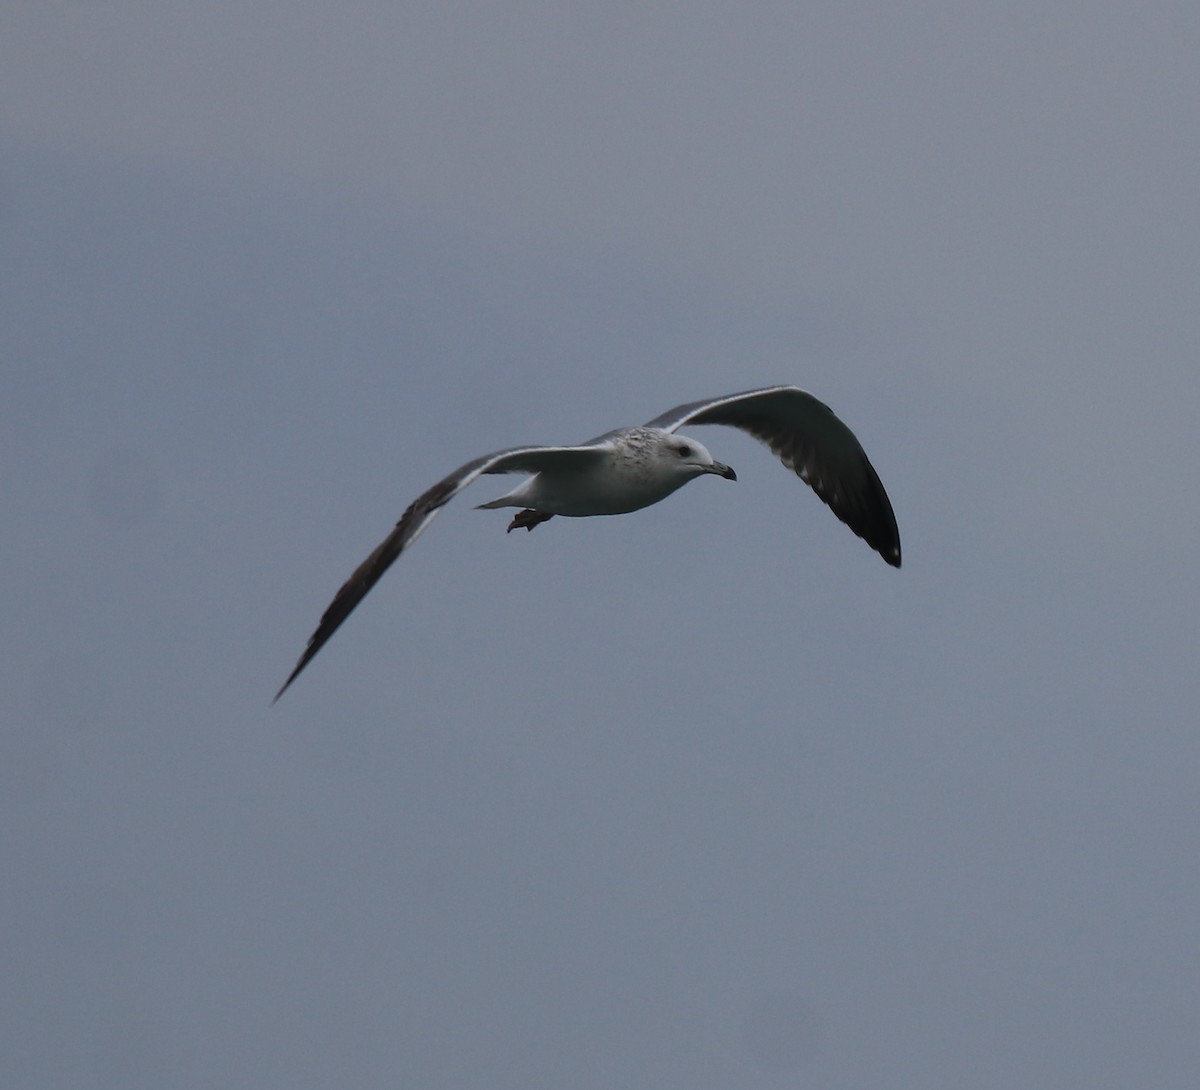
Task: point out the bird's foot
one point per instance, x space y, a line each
527 518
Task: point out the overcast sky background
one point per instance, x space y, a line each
702 797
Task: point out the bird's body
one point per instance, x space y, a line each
623 471
631 468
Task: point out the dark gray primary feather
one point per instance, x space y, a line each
810 439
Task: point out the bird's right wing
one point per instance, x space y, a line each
809 439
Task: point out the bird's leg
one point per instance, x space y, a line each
528 518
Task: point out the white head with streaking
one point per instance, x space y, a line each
631 468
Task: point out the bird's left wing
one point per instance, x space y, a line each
419 514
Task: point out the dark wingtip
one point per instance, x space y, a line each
284 687
887 545
314 645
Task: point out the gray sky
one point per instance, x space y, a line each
702 797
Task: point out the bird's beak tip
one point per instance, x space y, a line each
725 471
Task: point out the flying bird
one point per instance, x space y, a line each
630 468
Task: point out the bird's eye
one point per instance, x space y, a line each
684 451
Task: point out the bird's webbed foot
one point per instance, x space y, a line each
527 518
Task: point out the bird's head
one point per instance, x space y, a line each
692 458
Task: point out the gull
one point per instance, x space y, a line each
630 468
